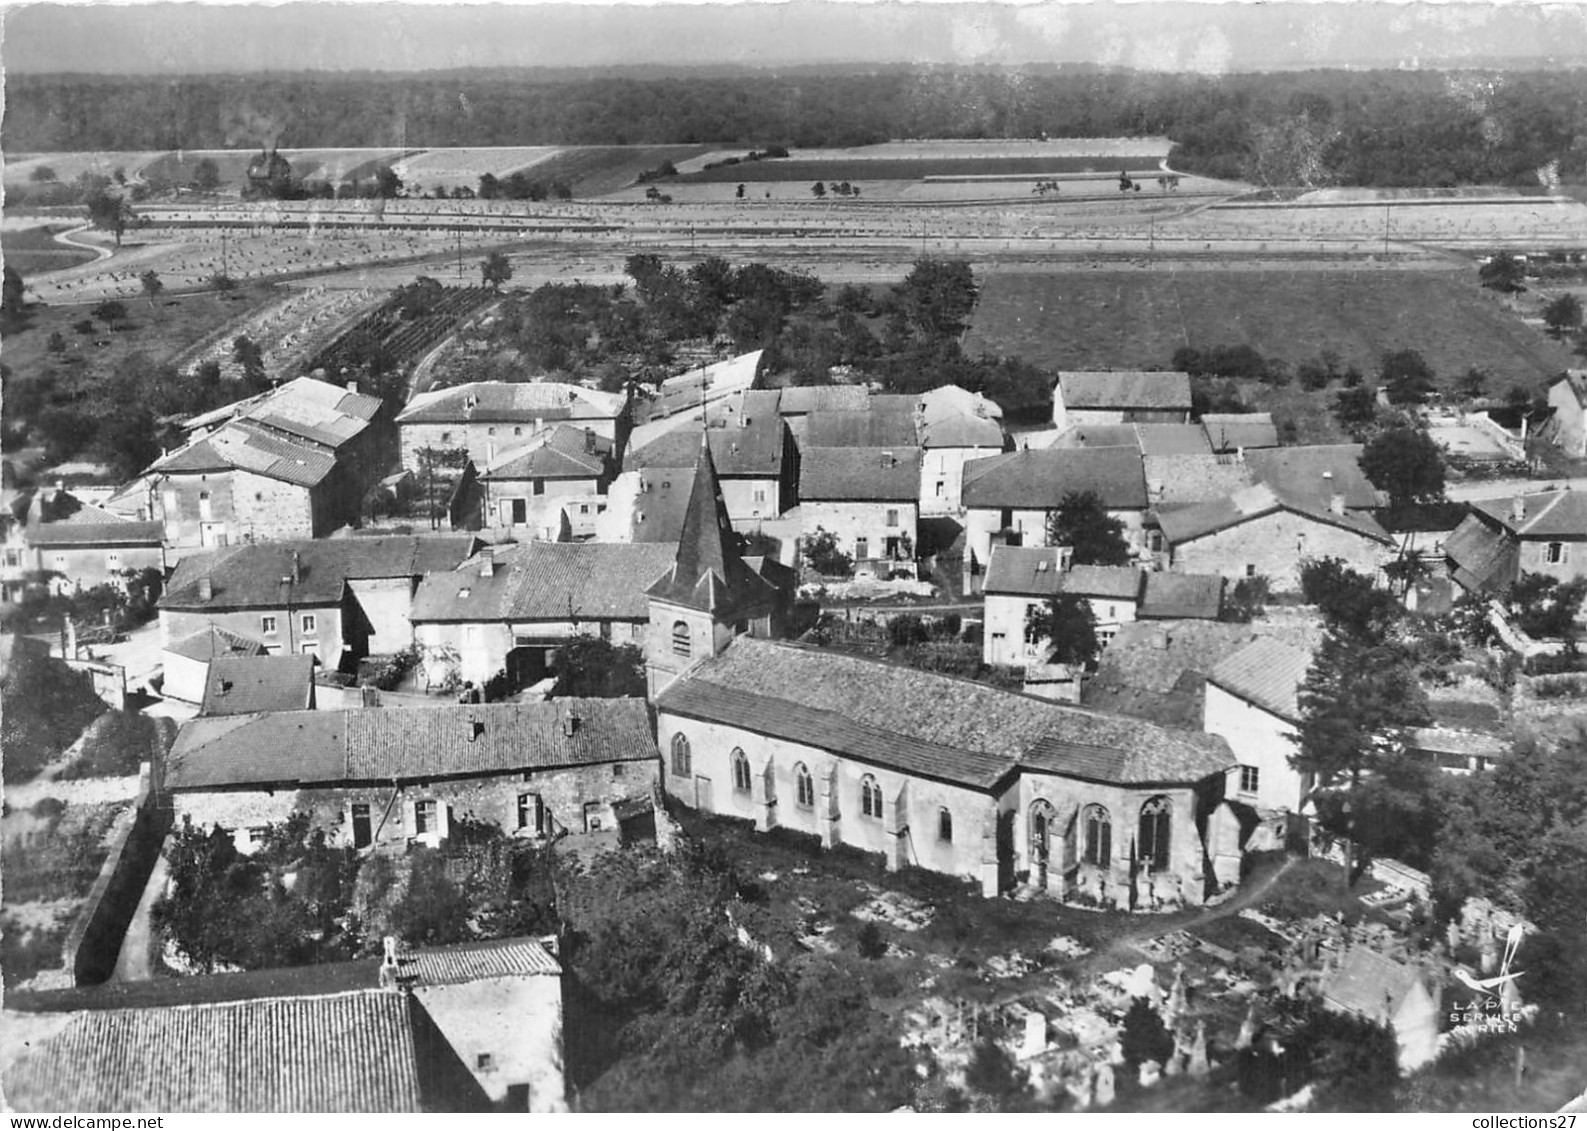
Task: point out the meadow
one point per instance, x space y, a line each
852 168
1128 320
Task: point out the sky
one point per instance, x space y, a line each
1185 35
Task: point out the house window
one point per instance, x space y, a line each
1249 777
892 518
13 558
205 513
485 1062
1153 839
681 644
257 835
490 431
862 549
870 797
1250 569
471 634
1556 553
267 625
942 489
584 508
446 437
424 818
682 763
760 494
1098 828
60 562
740 771
944 826
310 624
531 813
310 648
539 486
520 511
804 787
517 431
112 561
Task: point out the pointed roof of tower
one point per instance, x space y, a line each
709 573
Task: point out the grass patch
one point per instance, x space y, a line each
826 170
1119 320
32 251
60 858
595 170
117 743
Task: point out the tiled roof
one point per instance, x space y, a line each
951 402
1182 480
1039 480
241 685
316 410
72 533
1181 595
546 581
1482 557
1119 583
1186 524
1548 514
1368 984
1098 436
238 446
1125 389
1023 571
1265 672
470 962
860 475
1154 670
511 403
249 575
797 400
1172 440
324 748
1315 473
352 1052
866 428
563 452
962 432
755 450
1230 431
207 644
934 725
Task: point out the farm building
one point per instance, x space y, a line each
868 498
1257 532
1501 539
1120 397
956 777
291 463
1567 428
487 418
1011 495
339 599
560 471
390 778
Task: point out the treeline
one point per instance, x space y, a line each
1381 128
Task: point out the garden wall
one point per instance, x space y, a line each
94 943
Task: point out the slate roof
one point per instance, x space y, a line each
1230 431
562 452
1098 436
1039 480
249 575
314 410
511 403
206 644
1551 515
799 400
301 749
351 1052
1182 480
1265 672
660 504
755 450
1482 557
870 427
546 581
860 475
1125 389
936 726
1181 596
1368 984
241 685
1155 669
1172 440
1017 571
1186 524
74 533
1314 473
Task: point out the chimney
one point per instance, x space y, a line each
388 964
888 460
1336 503
589 441
1518 509
475 729
225 687
352 386
487 565
1160 638
206 589
570 725
297 568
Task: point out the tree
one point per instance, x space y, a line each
496 270
246 353
593 668
110 311
206 175
818 190
1407 463
1545 606
223 283
1144 1035
1246 601
1355 408
42 175
1349 601
1083 524
1502 272
489 186
1070 624
109 212
13 300
152 285
127 440
1563 314
56 343
822 554
387 183
937 296
1406 376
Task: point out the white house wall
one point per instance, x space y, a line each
1258 738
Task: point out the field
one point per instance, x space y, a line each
69 166
455 167
1111 319
595 170
33 250
797 169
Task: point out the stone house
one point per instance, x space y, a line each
954 427
868 498
490 418
54 540
1323 475
945 774
509 608
389 778
1020 579
1567 428
1120 397
291 463
1256 532
339 599
1379 989
474 1027
1252 700
755 460
1501 539
560 471
1008 497
186 662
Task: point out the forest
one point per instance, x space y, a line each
1377 128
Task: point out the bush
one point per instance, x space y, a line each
1246 601
1145 1036
869 941
822 555
907 629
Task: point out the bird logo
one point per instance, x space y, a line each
1489 986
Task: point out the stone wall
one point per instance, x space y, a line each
851 521
86 567
270 510
1274 545
288 637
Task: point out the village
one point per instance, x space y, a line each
624 654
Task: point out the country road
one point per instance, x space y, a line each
1505 488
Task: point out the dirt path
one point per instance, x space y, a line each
135 962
